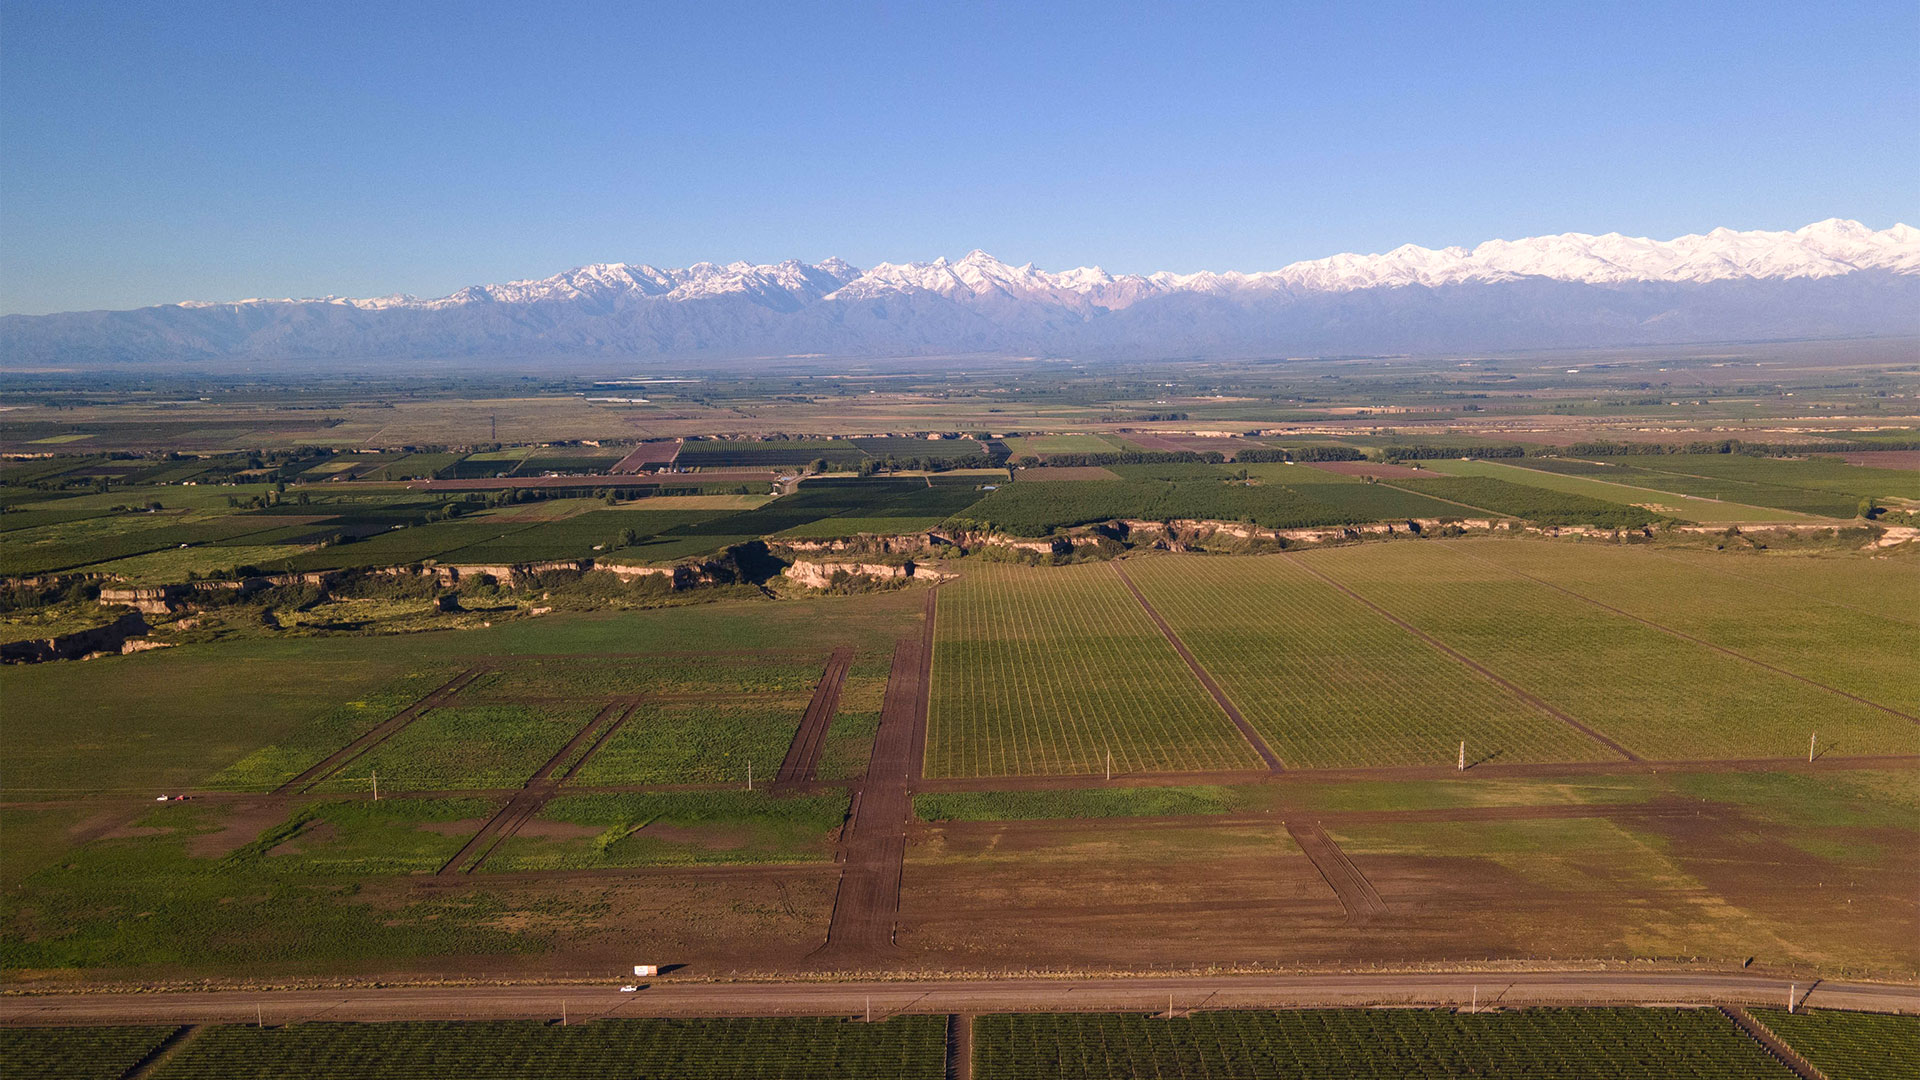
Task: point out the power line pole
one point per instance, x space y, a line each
1463 755
376 785
1811 739
749 774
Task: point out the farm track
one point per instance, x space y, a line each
1356 893
1684 636
540 787
380 733
1781 1052
1106 993
1478 668
1193 664
866 908
810 739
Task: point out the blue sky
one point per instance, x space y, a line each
159 152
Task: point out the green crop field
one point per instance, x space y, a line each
1885 587
1732 478
1816 474
675 828
591 679
1330 683
1661 696
322 734
471 746
793 1048
1046 670
696 743
1850 1045
1597 484
362 837
1604 1044
79 1053
1861 653
1536 504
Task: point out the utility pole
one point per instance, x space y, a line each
563 1014
1109 754
376 785
1811 739
1463 755
493 427
1793 991
749 774
869 1008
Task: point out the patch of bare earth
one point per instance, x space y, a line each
241 825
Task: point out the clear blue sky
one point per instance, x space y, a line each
158 152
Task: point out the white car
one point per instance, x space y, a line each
628 989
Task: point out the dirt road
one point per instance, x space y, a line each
1143 994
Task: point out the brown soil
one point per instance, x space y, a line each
319 832
1884 459
242 824
707 839
558 830
463 827
809 739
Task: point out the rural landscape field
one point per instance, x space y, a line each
955 541
836 700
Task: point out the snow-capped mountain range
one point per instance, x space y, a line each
1835 276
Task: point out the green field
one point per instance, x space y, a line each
1661 696
1604 1044
1048 670
83 1053
466 747
696 743
1532 472
1861 653
1850 1045
1330 683
1536 504
797 1048
676 828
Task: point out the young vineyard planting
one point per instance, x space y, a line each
1046 670
1850 1045
797 1048
77 1053
1536 1044
1659 695
1329 682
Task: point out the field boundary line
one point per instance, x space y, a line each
1452 502
1355 893
540 787
1513 688
379 733
1274 764
959 1046
162 1052
1684 636
810 738
873 849
1655 491
923 701
1773 1044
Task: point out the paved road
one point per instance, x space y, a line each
1147 994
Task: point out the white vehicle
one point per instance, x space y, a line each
628 989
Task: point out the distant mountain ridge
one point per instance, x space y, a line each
1834 277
